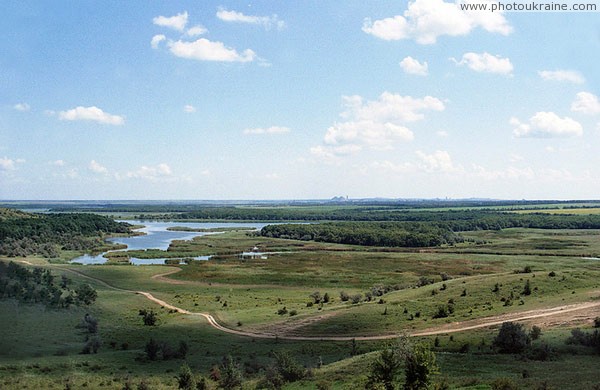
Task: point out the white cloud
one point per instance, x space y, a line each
196 30
189 108
97 168
22 107
237 17
90 114
562 75
586 103
269 130
380 123
205 50
426 20
152 173
156 40
438 161
412 66
333 154
442 133
546 125
58 163
177 22
7 164
486 62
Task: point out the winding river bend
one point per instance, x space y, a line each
156 236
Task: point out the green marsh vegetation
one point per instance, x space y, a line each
371 290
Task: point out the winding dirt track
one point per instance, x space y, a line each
591 310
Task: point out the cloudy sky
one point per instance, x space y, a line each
296 100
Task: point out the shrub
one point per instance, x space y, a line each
152 348
442 312
344 296
186 379
289 369
148 316
231 375
542 353
316 296
384 370
511 338
504 384
535 332
282 311
597 322
356 298
527 288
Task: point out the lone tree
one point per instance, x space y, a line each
231 375
384 370
186 379
512 338
419 367
149 317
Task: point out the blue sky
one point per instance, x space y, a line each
296 100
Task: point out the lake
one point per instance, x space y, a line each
156 236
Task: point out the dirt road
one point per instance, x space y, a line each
584 311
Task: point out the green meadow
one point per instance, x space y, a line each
371 291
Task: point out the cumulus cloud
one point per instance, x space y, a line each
189 108
90 114
412 66
22 107
8 164
237 17
177 22
586 103
152 173
486 62
438 161
562 75
546 125
268 130
156 40
196 30
376 124
426 20
205 50
97 167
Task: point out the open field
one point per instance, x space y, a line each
475 285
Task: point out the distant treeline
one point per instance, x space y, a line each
425 229
42 234
338 202
456 219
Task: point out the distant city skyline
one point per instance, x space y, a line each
297 100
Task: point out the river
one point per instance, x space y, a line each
156 236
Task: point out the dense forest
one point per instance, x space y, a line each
23 234
387 234
424 229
